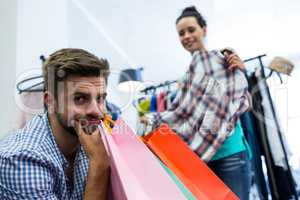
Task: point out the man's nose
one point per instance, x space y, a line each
95 109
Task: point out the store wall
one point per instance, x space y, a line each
8 50
28 29
42 29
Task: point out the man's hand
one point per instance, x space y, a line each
98 173
92 143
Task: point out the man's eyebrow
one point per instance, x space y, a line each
87 94
81 93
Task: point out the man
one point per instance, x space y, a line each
60 154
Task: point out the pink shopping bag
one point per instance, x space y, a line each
135 171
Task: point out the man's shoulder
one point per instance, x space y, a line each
28 140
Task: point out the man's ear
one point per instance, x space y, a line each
50 102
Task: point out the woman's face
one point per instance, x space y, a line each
191 34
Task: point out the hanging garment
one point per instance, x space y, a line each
249 131
271 128
209 103
161 102
153 104
260 134
143 106
29 105
284 180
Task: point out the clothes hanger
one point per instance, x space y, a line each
278 74
35 87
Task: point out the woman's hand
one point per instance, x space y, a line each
233 60
144 120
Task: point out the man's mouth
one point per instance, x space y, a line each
85 122
93 121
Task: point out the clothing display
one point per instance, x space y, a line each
267 140
271 128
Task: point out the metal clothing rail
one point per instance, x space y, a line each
34 87
154 87
167 83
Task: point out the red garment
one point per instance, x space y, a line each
161 102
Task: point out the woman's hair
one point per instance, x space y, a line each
192 11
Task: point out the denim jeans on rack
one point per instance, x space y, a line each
235 172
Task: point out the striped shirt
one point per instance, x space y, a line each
33 167
209 103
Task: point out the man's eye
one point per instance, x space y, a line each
79 99
101 98
181 33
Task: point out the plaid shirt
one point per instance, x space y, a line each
209 103
32 166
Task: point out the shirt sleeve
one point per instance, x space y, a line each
25 176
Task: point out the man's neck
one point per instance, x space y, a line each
67 143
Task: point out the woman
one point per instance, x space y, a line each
230 159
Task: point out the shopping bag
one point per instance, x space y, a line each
188 195
187 165
135 170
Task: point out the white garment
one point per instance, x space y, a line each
29 104
271 128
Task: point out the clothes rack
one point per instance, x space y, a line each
168 83
154 87
278 128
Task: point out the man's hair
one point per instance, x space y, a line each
71 61
192 11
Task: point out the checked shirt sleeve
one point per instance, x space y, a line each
25 176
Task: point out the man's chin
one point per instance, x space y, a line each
72 131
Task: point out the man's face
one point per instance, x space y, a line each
81 99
